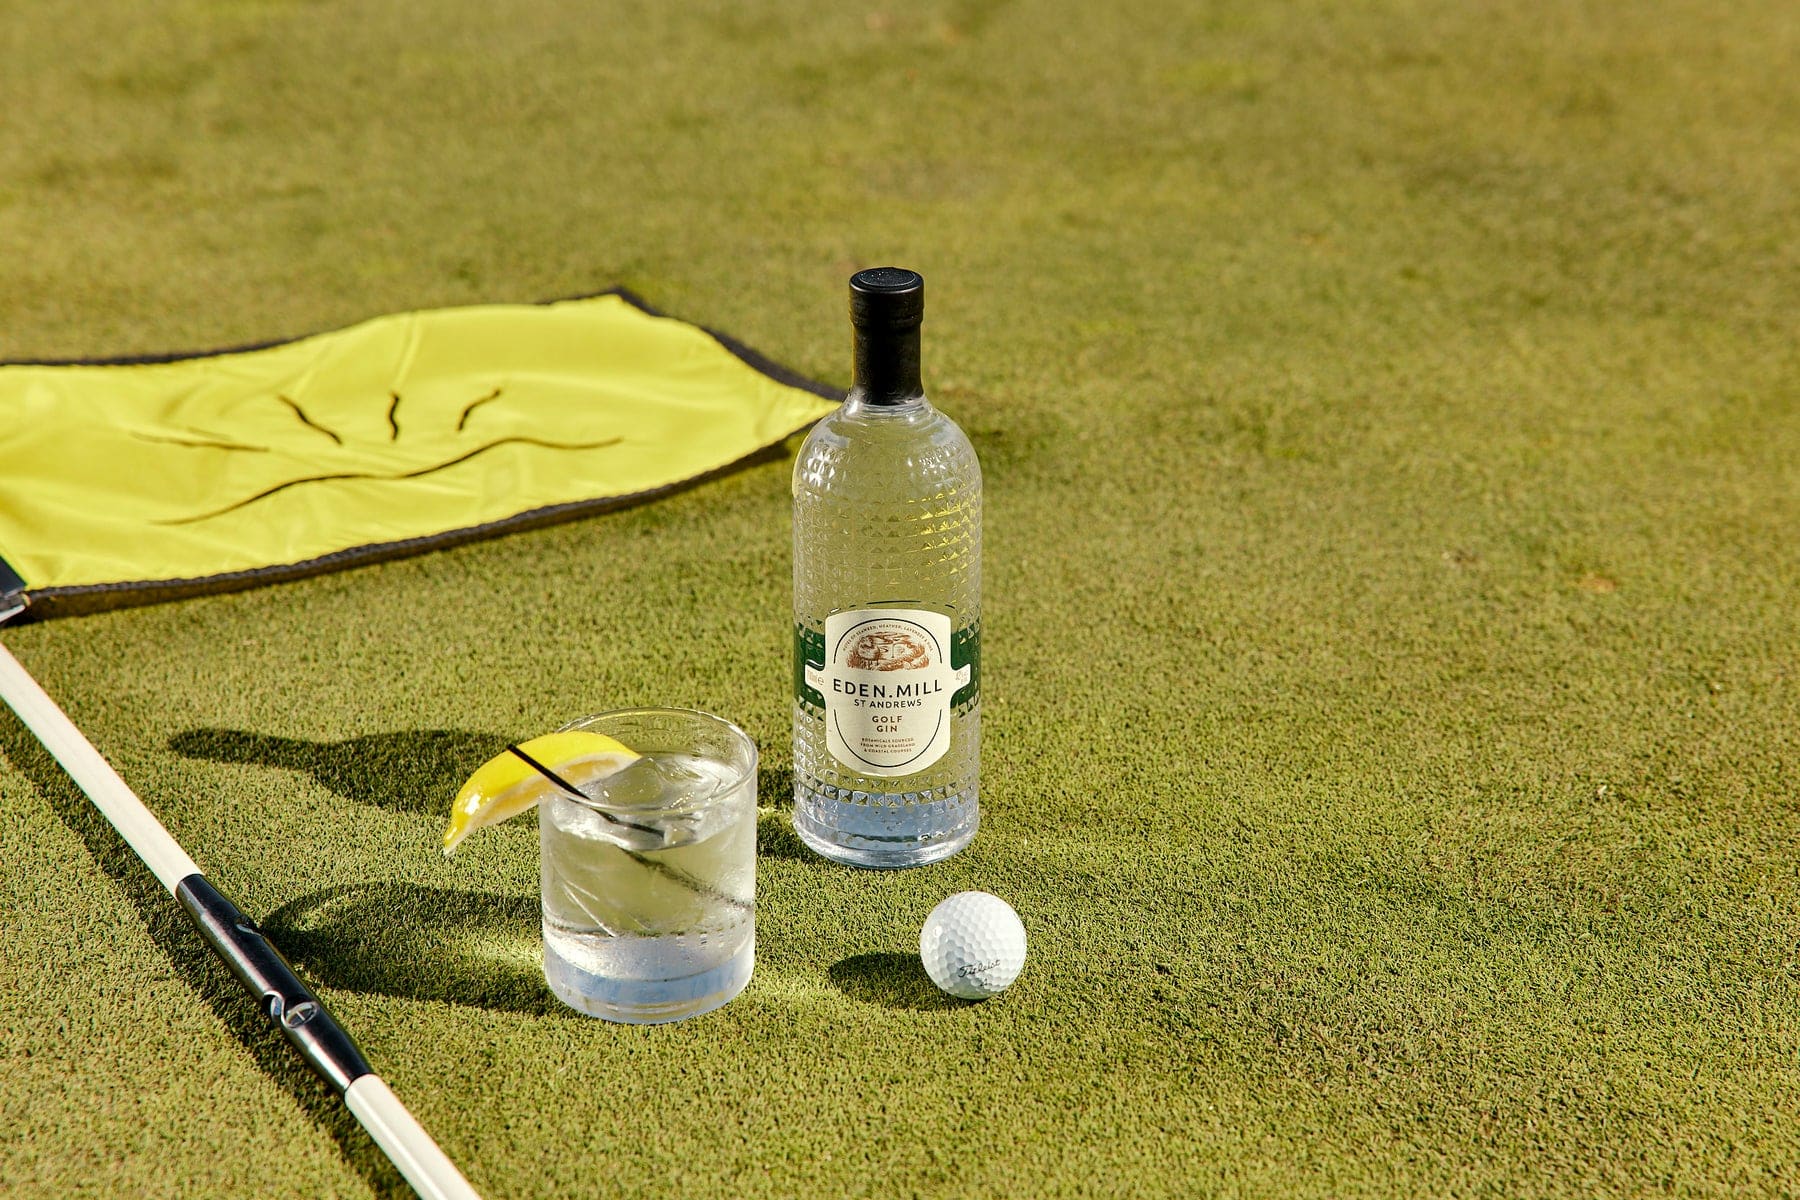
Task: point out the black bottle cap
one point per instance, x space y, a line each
887 298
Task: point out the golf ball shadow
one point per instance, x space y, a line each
890 980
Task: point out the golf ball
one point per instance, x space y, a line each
973 945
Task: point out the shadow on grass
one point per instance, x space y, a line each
419 770
194 964
420 943
775 836
890 980
413 770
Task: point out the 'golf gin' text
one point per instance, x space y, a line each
887 683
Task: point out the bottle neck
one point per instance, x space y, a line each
887 365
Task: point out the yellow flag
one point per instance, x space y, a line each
123 482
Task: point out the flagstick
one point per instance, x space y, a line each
267 976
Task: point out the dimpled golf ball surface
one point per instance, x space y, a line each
973 945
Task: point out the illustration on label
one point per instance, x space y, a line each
887 683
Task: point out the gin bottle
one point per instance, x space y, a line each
887 606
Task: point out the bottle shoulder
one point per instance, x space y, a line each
857 434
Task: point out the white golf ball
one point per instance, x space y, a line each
973 945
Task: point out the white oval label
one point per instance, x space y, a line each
887 683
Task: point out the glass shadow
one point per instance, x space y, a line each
420 943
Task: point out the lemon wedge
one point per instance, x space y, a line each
505 785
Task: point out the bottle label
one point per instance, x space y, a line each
887 679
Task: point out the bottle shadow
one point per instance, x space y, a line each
890 980
419 943
775 836
775 787
418 770
412 770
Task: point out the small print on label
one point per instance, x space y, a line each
887 683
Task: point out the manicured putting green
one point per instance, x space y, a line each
1391 422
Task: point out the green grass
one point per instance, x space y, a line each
1391 417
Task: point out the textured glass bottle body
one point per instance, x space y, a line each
887 521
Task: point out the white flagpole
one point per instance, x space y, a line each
299 1015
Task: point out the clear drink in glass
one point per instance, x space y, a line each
649 879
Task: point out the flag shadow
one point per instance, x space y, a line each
408 770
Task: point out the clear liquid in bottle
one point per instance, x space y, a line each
887 606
